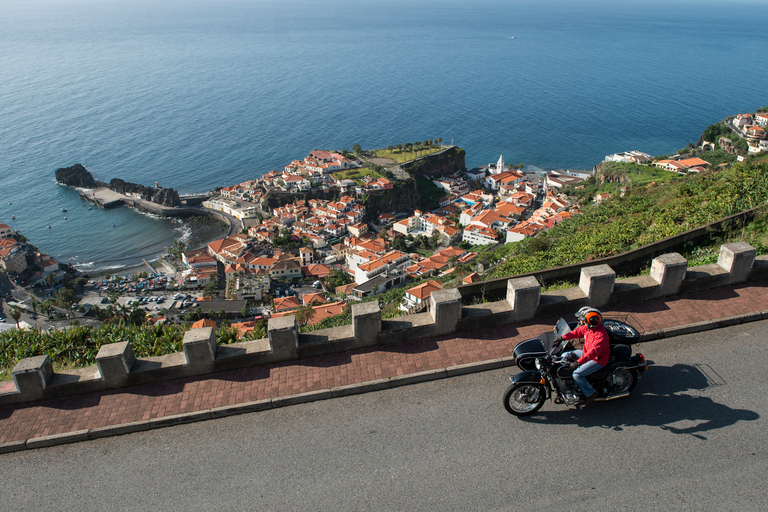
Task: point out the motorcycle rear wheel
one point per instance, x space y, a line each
523 399
624 379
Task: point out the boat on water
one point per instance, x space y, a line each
63 209
13 217
48 226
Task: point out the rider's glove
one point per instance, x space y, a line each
574 365
558 339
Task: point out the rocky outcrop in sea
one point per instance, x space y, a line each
79 177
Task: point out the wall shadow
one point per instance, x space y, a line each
659 400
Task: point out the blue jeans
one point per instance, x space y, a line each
580 374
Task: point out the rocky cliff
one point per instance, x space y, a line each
78 176
440 164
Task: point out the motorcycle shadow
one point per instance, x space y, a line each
660 400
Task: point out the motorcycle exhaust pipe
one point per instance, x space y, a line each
612 397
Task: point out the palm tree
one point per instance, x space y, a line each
49 280
15 313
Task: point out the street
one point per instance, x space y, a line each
691 435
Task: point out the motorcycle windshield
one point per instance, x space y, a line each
548 338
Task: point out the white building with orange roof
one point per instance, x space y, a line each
13 259
231 207
6 231
510 210
478 235
425 224
670 165
313 298
198 258
286 303
394 259
525 229
227 250
418 294
491 219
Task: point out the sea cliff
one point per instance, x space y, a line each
78 176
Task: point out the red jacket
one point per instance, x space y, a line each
596 344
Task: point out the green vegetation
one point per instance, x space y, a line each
357 174
643 216
430 194
402 155
717 130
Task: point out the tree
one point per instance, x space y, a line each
434 239
304 314
66 298
50 279
399 243
15 313
337 278
357 149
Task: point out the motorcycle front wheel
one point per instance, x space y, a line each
523 399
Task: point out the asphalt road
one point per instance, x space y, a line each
691 436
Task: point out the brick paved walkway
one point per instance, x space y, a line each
321 373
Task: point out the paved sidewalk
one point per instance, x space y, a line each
162 404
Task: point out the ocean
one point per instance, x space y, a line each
198 94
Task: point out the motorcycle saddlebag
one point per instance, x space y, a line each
620 353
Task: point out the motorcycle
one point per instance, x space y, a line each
546 374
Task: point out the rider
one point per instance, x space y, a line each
595 353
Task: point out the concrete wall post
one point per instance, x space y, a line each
669 271
737 259
366 322
283 337
32 376
523 296
445 308
115 361
200 348
597 284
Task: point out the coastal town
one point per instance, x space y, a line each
326 231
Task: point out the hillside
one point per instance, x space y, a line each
649 211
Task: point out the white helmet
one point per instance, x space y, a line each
590 316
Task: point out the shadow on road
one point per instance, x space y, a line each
660 400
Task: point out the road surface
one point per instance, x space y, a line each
691 436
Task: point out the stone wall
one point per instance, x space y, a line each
34 378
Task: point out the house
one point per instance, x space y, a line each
316 270
5 231
392 260
321 312
313 298
478 235
523 230
286 303
205 322
637 157
418 294
13 259
285 269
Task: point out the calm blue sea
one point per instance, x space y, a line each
198 94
